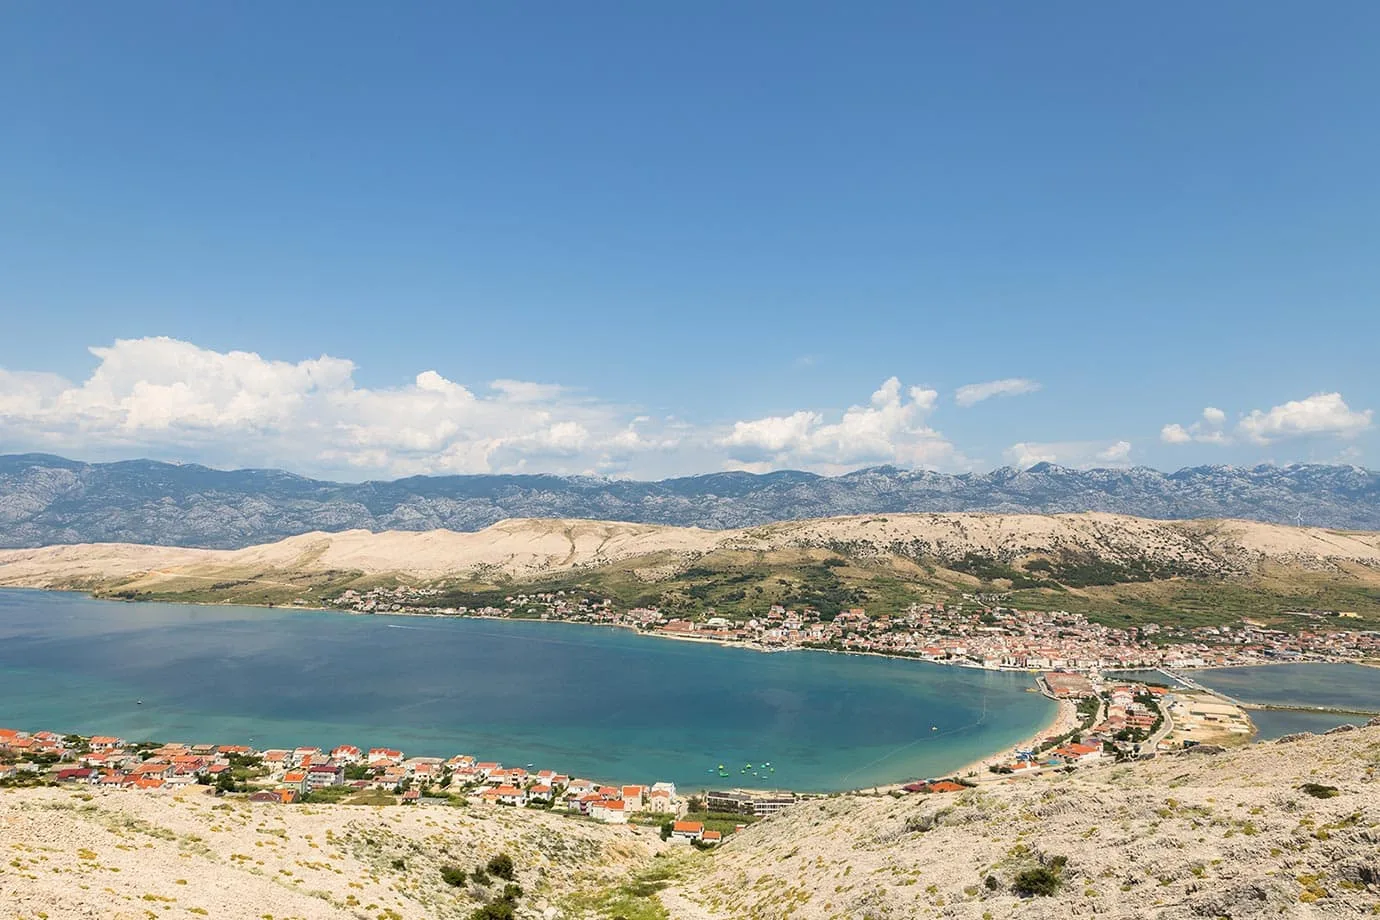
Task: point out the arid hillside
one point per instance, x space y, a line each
1274 830
126 855
1287 829
530 547
1121 567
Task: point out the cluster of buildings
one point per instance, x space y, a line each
978 632
400 599
999 637
286 776
1118 718
110 762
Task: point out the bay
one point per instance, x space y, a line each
590 701
1301 684
1276 723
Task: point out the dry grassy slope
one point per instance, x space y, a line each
125 855
526 548
1230 835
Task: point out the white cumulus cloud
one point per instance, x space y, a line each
1207 430
973 393
1319 414
167 397
891 428
1077 454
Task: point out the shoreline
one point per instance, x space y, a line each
1054 721
1063 719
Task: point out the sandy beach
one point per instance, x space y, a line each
1065 720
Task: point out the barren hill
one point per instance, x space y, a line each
527 547
1241 835
1271 830
1088 562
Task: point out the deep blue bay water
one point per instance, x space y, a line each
604 703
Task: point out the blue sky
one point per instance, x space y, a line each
649 239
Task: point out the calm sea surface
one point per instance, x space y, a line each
1276 723
605 703
1306 684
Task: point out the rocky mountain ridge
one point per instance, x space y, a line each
48 500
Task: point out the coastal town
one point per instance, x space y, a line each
353 775
1098 718
1120 694
979 631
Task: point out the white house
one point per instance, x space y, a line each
609 811
687 830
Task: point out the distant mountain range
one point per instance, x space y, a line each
47 500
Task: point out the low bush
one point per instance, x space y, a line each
1041 881
502 867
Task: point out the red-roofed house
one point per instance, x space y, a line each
384 755
323 774
609 811
661 802
505 795
687 830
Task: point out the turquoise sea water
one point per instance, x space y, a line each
604 703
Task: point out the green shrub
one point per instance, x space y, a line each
1040 881
453 876
1319 791
502 866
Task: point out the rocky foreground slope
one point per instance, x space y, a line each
122 855
1274 830
46 499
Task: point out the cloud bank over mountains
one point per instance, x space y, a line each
174 399
1320 415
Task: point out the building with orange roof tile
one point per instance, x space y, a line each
610 811
505 795
687 830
